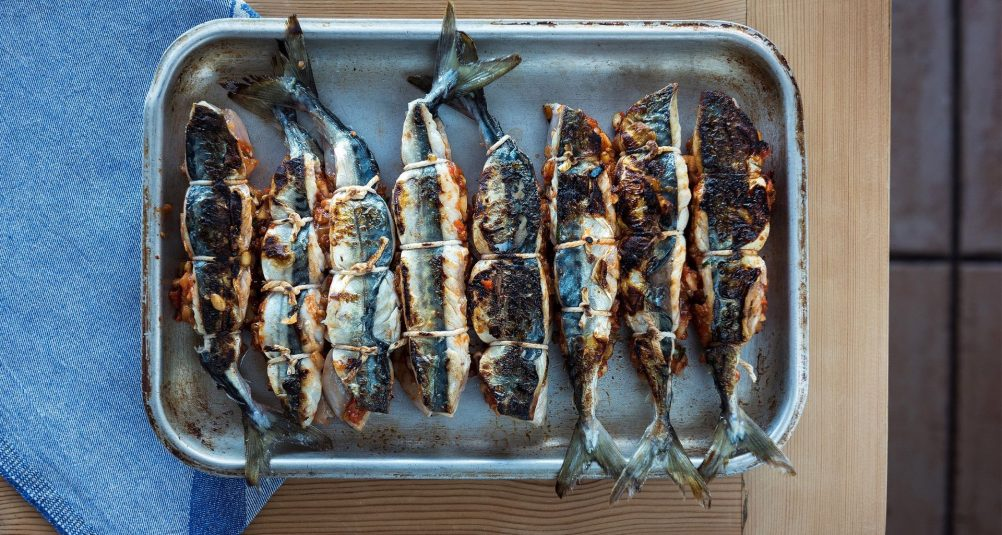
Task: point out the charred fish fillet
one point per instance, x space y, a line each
732 204
291 331
586 270
217 228
508 287
429 208
363 314
653 206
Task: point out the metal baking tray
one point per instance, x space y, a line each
360 65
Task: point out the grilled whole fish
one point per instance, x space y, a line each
586 269
508 286
217 227
732 203
653 207
362 316
291 330
429 208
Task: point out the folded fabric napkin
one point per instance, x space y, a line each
74 439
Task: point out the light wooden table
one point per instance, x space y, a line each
840 54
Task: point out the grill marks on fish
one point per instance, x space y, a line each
508 287
508 208
732 203
586 268
653 199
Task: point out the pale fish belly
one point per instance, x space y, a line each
363 323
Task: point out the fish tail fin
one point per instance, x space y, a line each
661 445
257 93
589 443
293 48
260 441
737 430
455 78
263 429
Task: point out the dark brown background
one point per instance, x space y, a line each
946 268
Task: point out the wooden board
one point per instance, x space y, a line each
840 53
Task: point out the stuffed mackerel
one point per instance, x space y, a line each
214 290
362 315
732 204
429 208
652 187
586 270
508 286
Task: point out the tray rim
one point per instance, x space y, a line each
204 34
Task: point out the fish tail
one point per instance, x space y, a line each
473 104
589 443
660 444
262 428
455 78
260 441
737 430
258 93
297 63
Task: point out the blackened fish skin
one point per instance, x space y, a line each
355 232
586 269
732 204
653 207
429 206
508 286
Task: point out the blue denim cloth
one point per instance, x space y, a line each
74 439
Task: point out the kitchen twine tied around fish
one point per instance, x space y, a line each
744 364
516 343
284 356
588 242
360 269
298 223
497 144
430 161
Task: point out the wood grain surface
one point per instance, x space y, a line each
494 507
840 53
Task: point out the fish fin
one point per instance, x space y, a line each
453 78
424 82
737 430
446 53
294 47
268 91
260 441
473 76
590 442
660 444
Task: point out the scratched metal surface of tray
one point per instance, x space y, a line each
360 66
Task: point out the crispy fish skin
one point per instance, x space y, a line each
217 228
362 311
586 269
653 199
429 207
732 204
291 330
